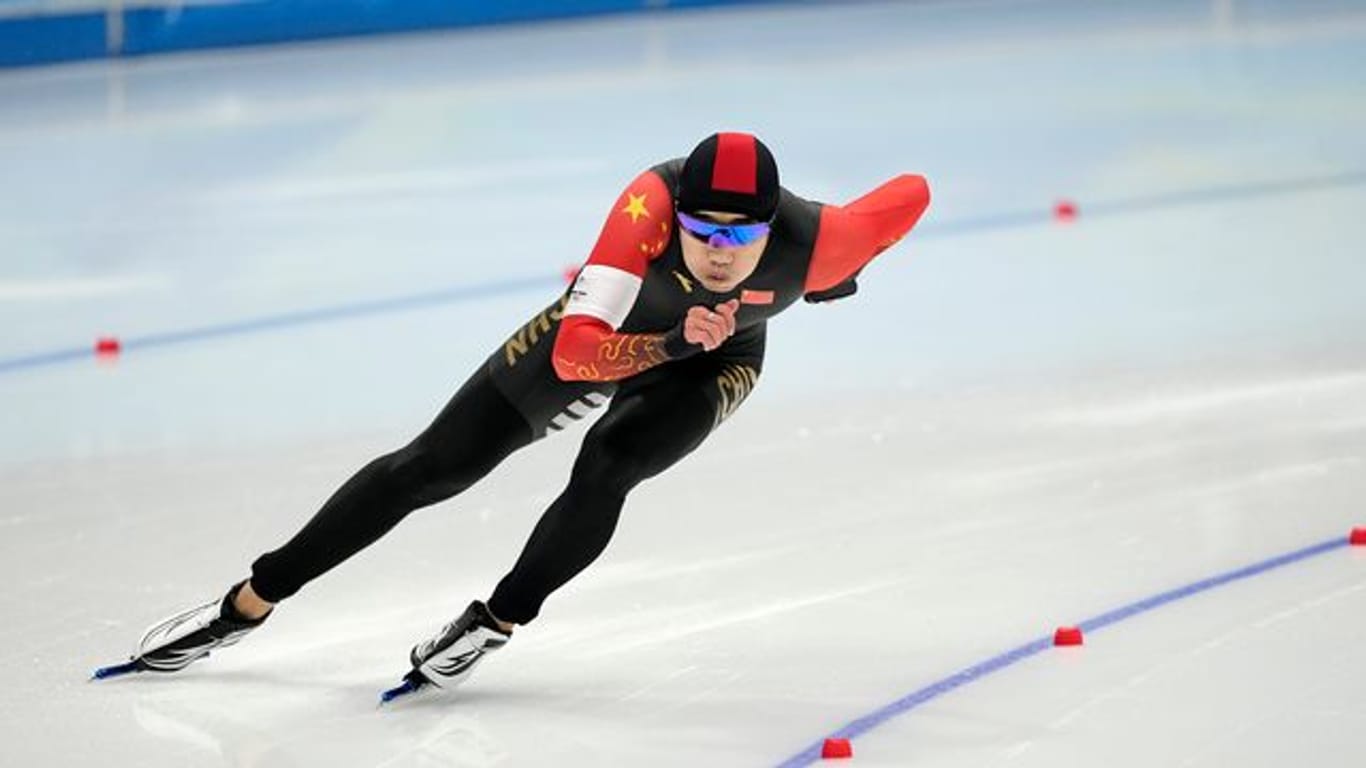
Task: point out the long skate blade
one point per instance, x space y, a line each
104 673
412 682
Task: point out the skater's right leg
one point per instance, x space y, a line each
174 642
476 430
249 604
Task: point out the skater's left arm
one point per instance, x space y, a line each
851 235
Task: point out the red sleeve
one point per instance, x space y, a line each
638 227
587 349
637 230
851 235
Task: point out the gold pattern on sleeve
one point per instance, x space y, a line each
621 356
628 354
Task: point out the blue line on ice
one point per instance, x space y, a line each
485 290
812 753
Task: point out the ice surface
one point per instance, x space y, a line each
1014 425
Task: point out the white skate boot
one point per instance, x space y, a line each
173 643
447 659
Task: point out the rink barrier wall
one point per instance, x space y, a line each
115 29
29 40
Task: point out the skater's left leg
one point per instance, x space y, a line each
651 424
655 419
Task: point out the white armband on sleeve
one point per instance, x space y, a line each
606 293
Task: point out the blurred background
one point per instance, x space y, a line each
247 246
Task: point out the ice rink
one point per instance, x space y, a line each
1017 424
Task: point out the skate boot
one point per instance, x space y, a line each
447 659
173 643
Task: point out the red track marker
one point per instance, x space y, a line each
107 346
834 749
1066 636
1065 212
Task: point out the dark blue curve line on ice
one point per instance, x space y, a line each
812 753
457 294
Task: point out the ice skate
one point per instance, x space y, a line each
175 642
446 660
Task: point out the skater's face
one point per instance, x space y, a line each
716 262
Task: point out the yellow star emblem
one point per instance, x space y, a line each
636 207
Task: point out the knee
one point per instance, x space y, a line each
416 473
607 466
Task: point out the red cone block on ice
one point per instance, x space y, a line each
836 748
1358 537
107 345
1065 211
1067 636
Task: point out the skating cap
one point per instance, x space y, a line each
730 172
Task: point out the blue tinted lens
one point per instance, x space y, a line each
722 235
